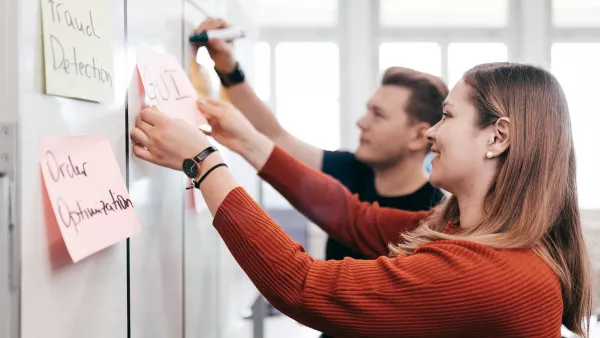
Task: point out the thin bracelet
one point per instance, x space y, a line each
197 184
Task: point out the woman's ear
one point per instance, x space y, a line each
501 136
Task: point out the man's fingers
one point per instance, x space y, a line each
209 109
211 23
206 129
203 25
215 102
220 23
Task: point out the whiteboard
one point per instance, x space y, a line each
156 255
174 279
58 298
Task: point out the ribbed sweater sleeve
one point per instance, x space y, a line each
366 228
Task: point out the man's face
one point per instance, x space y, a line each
388 133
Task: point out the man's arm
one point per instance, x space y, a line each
245 99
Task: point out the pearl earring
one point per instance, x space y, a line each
489 154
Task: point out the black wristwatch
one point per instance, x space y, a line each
191 165
230 79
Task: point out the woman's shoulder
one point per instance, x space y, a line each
522 266
509 284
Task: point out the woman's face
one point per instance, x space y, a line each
459 146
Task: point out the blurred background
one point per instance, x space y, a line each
316 62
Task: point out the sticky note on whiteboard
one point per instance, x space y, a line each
87 192
167 86
78 49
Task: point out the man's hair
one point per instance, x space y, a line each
425 104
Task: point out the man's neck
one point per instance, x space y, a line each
402 178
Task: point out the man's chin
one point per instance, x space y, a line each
362 154
366 157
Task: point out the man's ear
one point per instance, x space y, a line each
419 140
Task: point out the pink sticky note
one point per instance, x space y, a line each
87 192
167 86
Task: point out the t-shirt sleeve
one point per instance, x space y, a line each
344 167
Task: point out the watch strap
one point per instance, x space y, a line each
237 76
204 154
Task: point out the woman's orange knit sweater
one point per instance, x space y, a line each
443 289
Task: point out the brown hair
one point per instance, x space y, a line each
532 203
426 99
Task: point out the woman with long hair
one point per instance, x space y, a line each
503 257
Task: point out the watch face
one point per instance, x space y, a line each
190 168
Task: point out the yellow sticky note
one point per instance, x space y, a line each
78 49
87 192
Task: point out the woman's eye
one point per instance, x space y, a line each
445 116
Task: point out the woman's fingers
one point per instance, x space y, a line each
143 153
151 116
143 125
139 137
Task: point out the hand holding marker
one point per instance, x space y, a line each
202 38
225 34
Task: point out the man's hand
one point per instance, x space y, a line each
221 52
229 126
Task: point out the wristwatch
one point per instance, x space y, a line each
234 77
191 165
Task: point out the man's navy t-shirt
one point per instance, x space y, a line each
360 179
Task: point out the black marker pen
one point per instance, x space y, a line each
227 34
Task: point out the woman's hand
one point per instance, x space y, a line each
164 140
221 52
233 130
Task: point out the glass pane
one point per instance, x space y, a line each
307 69
443 13
464 56
577 68
422 56
293 12
576 13
313 120
262 70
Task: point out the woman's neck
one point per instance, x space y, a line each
471 203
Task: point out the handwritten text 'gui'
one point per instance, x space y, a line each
167 86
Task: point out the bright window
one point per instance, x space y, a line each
293 12
576 13
307 94
262 69
308 90
444 13
422 56
464 56
577 68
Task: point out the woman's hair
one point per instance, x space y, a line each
532 202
